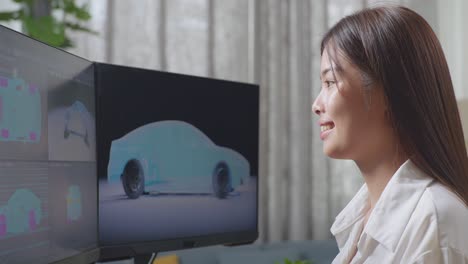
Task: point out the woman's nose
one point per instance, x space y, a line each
316 108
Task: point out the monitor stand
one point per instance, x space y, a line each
139 259
144 259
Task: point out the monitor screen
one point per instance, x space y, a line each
48 179
178 160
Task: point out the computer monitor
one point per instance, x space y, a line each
177 162
48 179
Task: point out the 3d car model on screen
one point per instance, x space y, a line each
174 157
77 120
22 213
20 111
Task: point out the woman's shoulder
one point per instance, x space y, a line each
450 214
446 203
436 227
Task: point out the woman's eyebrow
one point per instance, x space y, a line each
335 68
325 72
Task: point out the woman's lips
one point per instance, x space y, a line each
326 129
325 133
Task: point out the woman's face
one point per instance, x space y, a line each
352 125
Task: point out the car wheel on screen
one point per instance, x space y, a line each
221 180
133 180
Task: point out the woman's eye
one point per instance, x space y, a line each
329 83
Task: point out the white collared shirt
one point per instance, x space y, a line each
415 220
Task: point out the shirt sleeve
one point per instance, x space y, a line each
442 256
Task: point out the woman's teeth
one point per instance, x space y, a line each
325 128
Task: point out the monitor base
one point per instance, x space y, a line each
144 259
138 259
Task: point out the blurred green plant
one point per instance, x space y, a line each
287 261
49 20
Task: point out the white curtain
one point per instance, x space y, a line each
271 42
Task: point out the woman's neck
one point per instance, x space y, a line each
377 173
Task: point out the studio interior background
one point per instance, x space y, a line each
275 43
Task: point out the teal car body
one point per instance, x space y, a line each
77 122
176 157
20 111
21 214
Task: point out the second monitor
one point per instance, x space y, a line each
178 160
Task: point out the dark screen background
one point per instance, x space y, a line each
227 112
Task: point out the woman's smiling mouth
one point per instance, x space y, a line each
325 129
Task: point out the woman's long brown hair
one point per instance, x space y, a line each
396 49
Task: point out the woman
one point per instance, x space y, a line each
387 102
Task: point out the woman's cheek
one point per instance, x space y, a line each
333 102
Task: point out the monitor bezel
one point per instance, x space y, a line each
90 256
112 253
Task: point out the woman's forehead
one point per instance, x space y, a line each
330 64
336 60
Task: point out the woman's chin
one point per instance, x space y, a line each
333 152
329 152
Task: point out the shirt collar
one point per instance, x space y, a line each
392 211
